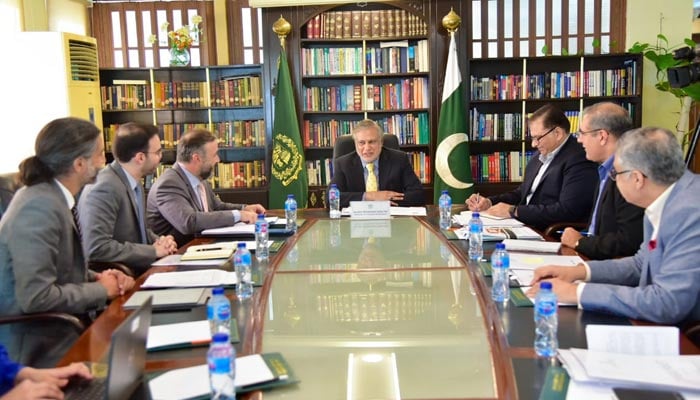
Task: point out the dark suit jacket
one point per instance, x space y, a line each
618 227
173 208
564 192
109 221
395 173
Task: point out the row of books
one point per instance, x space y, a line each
421 165
333 98
555 85
243 174
324 133
239 133
239 91
410 93
365 24
499 166
126 97
409 128
180 94
487 127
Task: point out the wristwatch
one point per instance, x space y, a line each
511 211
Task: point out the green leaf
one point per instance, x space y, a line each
564 52
662 38
693 91
596 43
545 50
689 42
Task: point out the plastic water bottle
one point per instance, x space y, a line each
290 212
334 201
335 233
445 203
221 358
476 238
546 321
262 252
500 262
219 312
242 265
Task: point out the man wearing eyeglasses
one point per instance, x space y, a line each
615 226
661 282
112 216
558 180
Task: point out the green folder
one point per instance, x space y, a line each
556 384
234 336
284 375
519 298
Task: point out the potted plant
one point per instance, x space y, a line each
662 55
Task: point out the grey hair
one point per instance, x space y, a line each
653 151
609 116
367 124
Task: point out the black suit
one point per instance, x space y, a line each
395 174
564 192
618 227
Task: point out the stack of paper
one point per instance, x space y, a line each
201 278
493 234
207 252
486 219
532 245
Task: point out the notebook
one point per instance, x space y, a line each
170 299
127 360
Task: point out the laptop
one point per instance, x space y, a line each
127 360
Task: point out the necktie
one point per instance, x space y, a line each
203 197
371 184
140 211
76 221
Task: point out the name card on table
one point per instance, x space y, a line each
370 210
380 228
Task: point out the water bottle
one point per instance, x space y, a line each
242 265
500 261
290 212
476 238
334 201
262 252
219 312
445 203
221 358
546 343
335 233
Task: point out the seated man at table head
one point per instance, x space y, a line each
18 382
112 211
374 172
182 203
661 282
42 267
615 226
558 182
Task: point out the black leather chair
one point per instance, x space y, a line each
344 144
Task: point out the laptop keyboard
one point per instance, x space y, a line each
88 390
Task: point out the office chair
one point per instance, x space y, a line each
344 144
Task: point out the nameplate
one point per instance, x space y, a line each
380 228
370 210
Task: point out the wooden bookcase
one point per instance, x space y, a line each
227 100
503 92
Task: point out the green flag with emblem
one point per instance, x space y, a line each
288 175
452 167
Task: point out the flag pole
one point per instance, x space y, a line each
451 21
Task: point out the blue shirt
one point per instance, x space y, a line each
8 371
603 171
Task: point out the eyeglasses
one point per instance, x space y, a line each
538 138
580 133
613 173
157 152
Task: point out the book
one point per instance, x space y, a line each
253 372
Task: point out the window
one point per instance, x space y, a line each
245 33
530 28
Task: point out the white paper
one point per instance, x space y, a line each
488 220
199 278
249 244
532 245
370 209
184 383
176 259
524 289
167 297
603 391
636 340
532 261
238 229
495 234
408 211
184 332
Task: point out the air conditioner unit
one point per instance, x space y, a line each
49 75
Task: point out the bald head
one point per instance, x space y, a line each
608 116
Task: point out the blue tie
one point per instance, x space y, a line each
140 211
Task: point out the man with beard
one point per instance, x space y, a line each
112 214
42 267
182 203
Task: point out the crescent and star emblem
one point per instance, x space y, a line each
442 163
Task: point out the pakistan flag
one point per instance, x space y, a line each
288 166
452 166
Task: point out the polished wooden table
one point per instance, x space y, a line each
370 309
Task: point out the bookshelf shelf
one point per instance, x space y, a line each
227 100
503 92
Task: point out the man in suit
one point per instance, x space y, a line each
112 211
558 180
615 227
661 282
374 172
42 267
182 203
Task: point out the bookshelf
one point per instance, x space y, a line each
227 100
503 92
363 62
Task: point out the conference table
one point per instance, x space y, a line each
374 309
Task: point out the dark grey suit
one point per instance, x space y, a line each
662 284
42 268
173 208
109 220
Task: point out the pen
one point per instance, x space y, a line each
584 233
211 249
